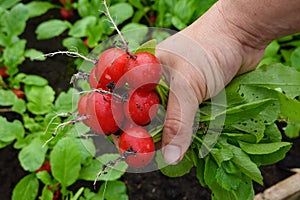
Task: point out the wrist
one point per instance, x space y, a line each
231 50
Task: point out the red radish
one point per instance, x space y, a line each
152 18
66 14
143 71
140 142
85 41
56 195
82 107
45 167
19 93
65 2
105 115
110 68
142 106
3 71
93 80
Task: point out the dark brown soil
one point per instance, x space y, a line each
146 186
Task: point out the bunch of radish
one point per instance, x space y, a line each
123 100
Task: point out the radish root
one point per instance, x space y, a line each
73 54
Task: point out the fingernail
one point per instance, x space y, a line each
171 154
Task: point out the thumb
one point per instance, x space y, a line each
180 116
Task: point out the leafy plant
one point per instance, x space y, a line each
232 141
228 157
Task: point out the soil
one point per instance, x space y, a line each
146 186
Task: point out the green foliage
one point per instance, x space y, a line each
51 28
31 157
65 160
250 137
89 171
180 169
13 19
27 188
110 190
227 157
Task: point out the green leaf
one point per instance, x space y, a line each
64 102
295 59
51 28
292 130
210 171
19 106
77 194
90 170
276 77
40 99
252 93
286 54
241 112
80 28
176 21
37 8
46 193
95 34
15 20
26 189
5 4
148 46
272 134
88 194
184 10
10 131
254 126
262 148
113 190
90 7
34 54
7 97
86 148
270 60
248 167
23 142
65 160
160 35
134 34
272 49
272 158
221 155
45 177
75 43
290 110
31 124
28 79
244 190
121 12
14 55
226 180
32 156
200 172
4 144
183 167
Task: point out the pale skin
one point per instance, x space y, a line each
229 39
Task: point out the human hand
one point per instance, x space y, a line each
198 62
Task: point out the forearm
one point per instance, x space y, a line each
236 32
258 22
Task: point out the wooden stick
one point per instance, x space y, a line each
288 189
